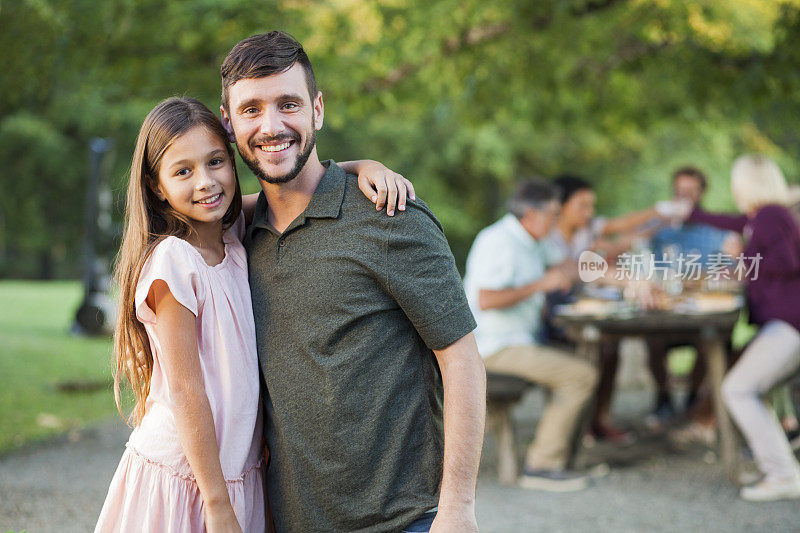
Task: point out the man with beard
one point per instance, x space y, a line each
375 389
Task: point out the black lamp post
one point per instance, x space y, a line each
97 310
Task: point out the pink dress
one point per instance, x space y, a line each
153 488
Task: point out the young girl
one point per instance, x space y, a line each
185 339
772 258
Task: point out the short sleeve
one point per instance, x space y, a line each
490 263
422 277
238 228
174 262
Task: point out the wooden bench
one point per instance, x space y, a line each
502 393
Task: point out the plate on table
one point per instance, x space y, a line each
602 292
588 307
708 303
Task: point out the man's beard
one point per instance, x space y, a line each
301 161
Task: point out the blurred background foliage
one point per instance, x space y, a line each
461 96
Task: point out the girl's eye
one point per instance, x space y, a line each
183 172
216 161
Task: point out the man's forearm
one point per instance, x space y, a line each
464 379
499 299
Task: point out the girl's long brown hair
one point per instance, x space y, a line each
147 221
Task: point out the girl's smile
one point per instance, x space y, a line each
211 201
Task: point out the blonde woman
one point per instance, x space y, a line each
770 231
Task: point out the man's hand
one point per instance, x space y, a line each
674 210
455 521
555 279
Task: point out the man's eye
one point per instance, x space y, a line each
290 106
250 111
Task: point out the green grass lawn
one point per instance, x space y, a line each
37 352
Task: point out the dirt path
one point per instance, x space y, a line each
652 486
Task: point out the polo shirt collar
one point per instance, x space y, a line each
326 202
517 230
260 213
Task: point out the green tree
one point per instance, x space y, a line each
462 96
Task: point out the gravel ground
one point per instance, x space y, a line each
653 486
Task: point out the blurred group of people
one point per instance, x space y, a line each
523 266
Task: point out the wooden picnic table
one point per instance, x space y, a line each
712 329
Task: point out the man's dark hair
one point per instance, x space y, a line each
263 55
569 184
531 193
692 172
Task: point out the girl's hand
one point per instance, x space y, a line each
380 184
222 520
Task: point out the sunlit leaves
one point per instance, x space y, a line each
462 96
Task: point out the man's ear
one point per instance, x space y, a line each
319 111
226 123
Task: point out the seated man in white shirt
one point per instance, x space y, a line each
506 281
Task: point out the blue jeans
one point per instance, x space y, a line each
422 524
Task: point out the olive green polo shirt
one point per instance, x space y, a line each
348 305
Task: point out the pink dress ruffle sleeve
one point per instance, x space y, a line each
153 488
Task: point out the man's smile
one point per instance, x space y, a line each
275 147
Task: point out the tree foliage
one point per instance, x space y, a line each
462 96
